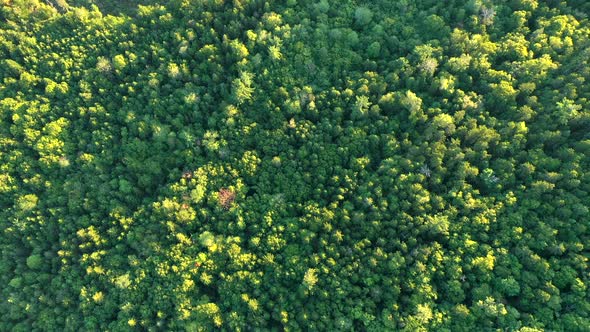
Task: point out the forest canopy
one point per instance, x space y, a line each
295 165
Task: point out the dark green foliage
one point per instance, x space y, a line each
247 165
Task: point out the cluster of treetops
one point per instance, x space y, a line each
295 165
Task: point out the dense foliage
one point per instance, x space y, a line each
295 165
